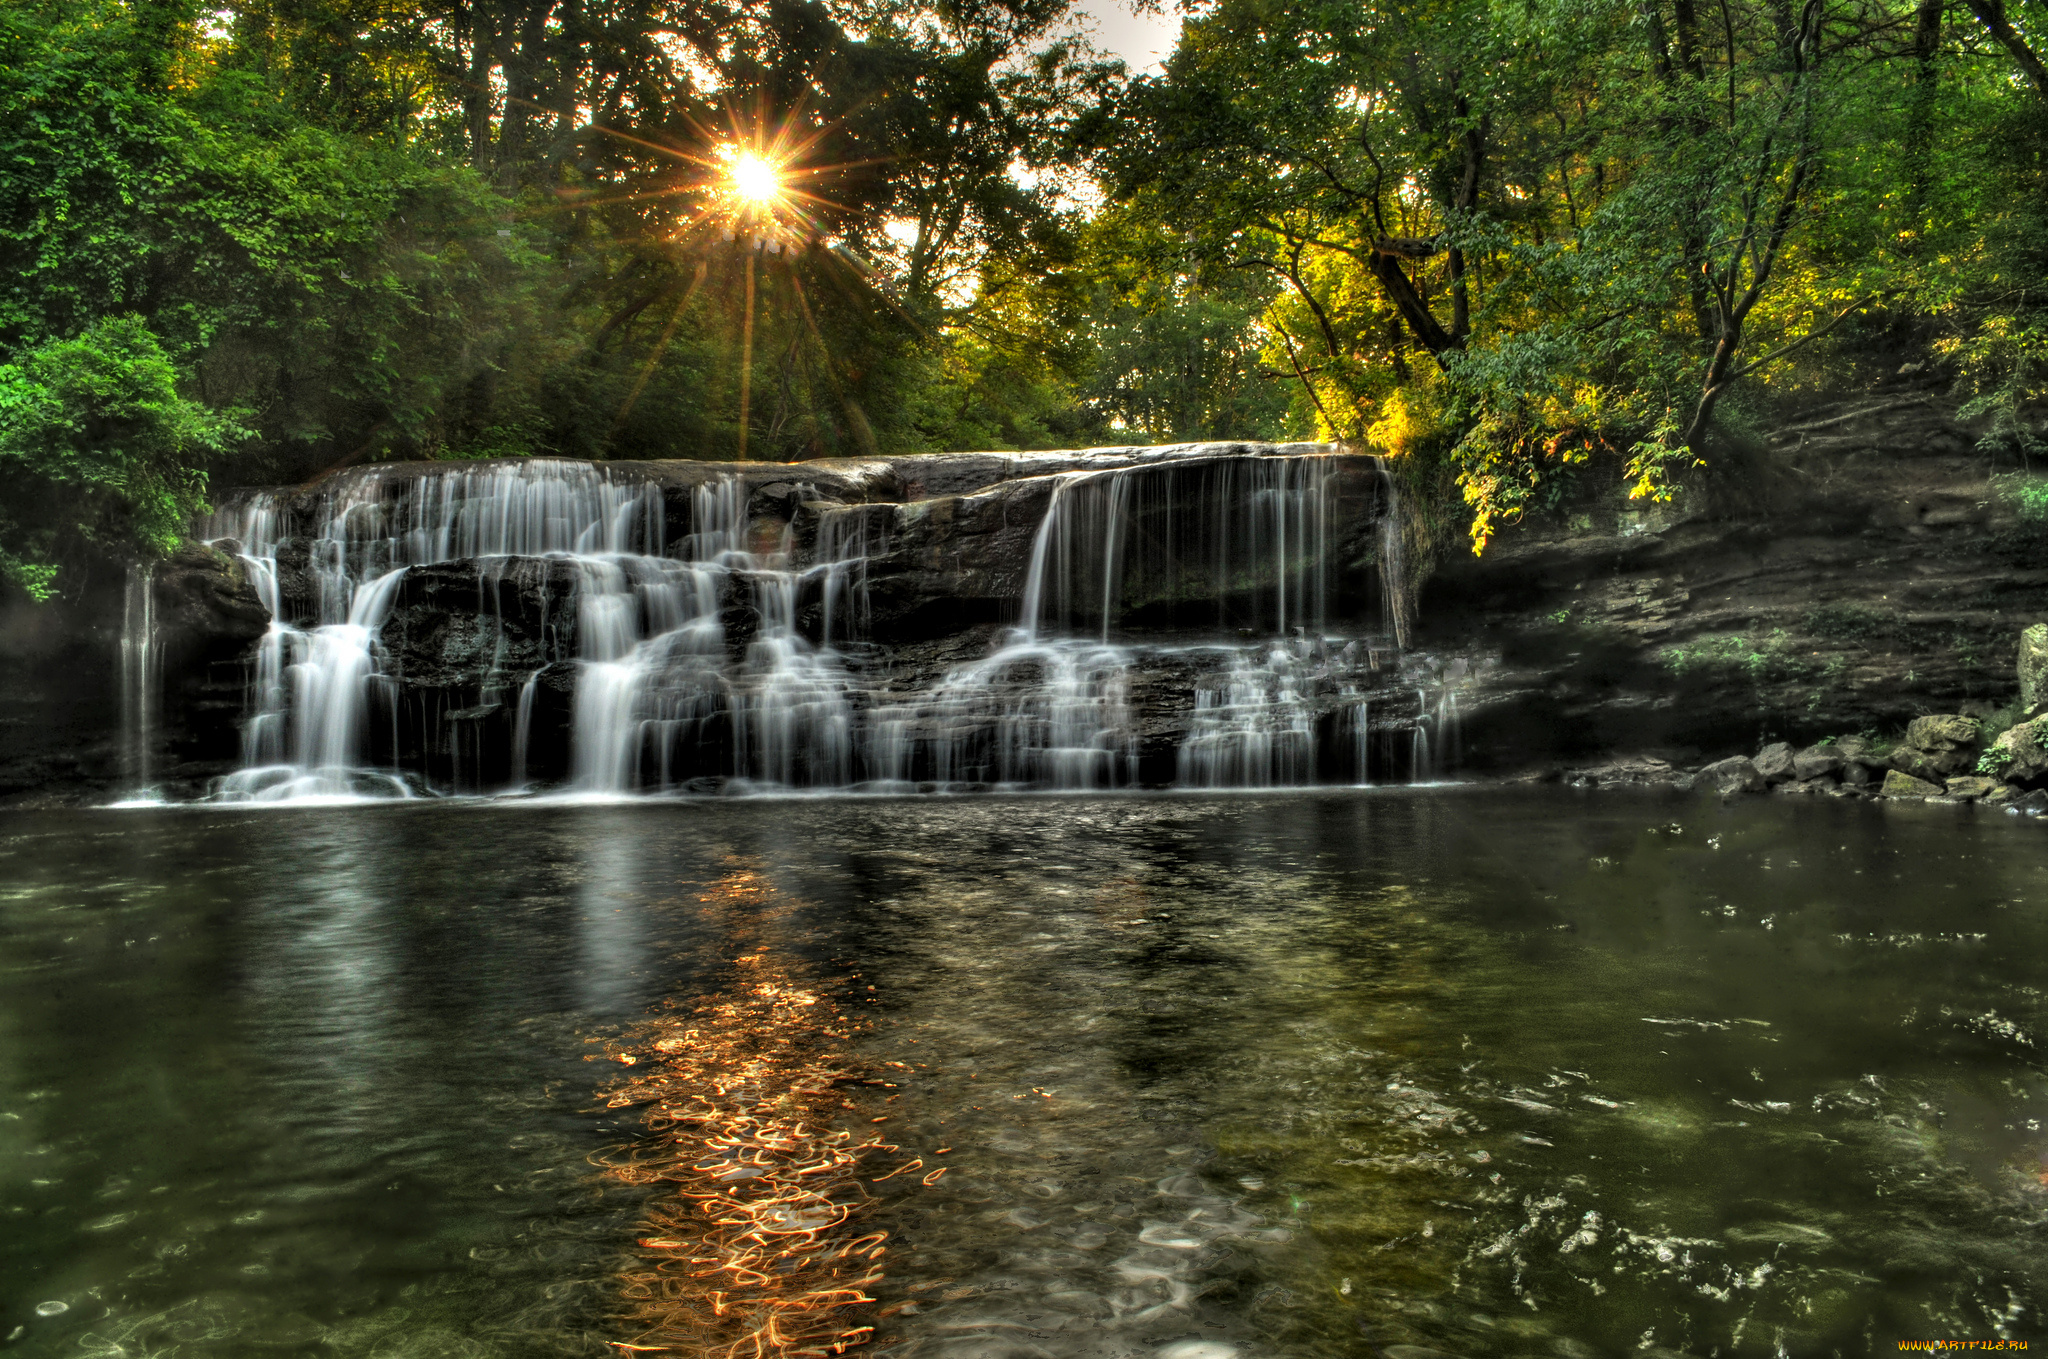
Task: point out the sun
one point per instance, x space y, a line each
753 180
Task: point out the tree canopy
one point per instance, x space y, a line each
1506 241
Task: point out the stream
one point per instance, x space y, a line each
1407 1071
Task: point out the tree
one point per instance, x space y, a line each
99 452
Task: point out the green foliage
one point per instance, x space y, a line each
97 449
2029 496
1761 660
1578 235
1528 250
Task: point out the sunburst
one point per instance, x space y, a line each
756 187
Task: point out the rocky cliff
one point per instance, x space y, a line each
1869 570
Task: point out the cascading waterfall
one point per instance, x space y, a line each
1045 714
690 639
308 733
1225 542
1253 729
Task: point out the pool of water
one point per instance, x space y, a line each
1473 1072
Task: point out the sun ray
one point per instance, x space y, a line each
654 357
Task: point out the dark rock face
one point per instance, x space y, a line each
1872 583
1862 579
60 680
208 616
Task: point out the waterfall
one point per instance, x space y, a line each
1046 714
659 704
1253 728
1237 542
314 691
1174 625
141 685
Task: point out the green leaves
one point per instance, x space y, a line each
99 451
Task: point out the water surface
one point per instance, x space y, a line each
1488 1072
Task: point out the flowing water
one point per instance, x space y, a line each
1301 1074
709 643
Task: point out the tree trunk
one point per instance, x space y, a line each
1992 14
1400 289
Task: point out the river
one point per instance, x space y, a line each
1467 1071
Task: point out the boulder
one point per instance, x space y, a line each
1736 774
1938 747
1970 787
1897 784
206 604
2020 754
2034 668
1775 762
1817 762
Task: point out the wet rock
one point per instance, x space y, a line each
1737 774
1970 787
2021 753
1807 787
2033 668
1897 784
2035 802
1939 747
1861 752
1775 762
205 602
1817 762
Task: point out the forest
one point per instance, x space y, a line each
1509 244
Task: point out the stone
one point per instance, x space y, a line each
1736 774
1858 774
2020 754
2001 795
1938 747
1971 786
1775 761
1943 732
2033 666
1897 784
1817 762
2035 802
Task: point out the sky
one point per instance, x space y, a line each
1144 41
